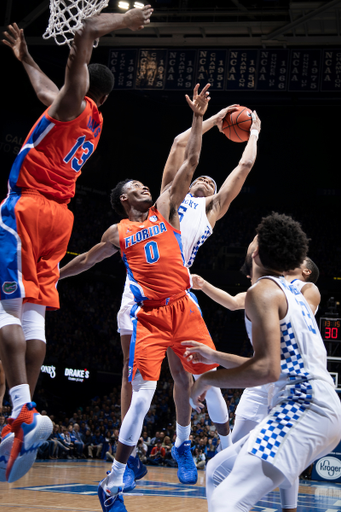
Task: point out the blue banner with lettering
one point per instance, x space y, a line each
249 69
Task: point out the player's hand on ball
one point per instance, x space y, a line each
200 101
220 116
197 282
256 122
198 352
198 389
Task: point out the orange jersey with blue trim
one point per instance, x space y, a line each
54 152
152 253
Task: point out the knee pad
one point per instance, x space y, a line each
33 321
10 312
138 383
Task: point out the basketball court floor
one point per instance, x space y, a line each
71 486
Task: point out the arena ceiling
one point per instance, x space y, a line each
193 23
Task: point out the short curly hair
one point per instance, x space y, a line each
101 80
282 244
115 198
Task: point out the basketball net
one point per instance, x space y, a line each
66 18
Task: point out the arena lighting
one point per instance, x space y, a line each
123 5
138 5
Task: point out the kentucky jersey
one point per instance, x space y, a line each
152 253
303 354
54 152
194 225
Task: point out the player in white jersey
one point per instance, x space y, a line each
253 405
289 356
198 213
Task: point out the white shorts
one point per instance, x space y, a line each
253 404
295 434
124 323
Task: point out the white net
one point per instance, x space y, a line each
66 17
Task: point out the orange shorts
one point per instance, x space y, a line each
34 234
157 328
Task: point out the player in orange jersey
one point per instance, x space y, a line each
165 312
35 223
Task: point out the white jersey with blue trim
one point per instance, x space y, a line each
194 225
303 354
304 421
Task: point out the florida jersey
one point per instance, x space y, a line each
152 253
52 156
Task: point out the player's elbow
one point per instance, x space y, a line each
178 142
246 164
272 374
193 160
88 29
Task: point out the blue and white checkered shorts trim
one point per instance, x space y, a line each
201 240
291 359
277 427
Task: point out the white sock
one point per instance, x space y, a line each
133 453
182 434
225 441
20 395
115 478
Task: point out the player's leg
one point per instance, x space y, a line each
125 328
110 489
33 323
2 385
181 392
242 427
217 410
126 387
289 496
241 477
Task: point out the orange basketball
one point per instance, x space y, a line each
236 125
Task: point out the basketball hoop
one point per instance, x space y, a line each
66 18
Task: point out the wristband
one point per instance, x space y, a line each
255 132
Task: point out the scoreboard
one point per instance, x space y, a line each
330 329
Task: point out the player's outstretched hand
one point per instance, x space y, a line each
256 122
200 101
197 282
137 19
198 352
15 39
220 116
198 390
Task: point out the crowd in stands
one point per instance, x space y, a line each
92 431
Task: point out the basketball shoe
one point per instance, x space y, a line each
136 465
110 499
187 471
129 479
30 430
7 438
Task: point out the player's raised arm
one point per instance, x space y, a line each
45 89
177 153
220 296
99 252
169 202
235 181
70 102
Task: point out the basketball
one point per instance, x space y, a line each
236 125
